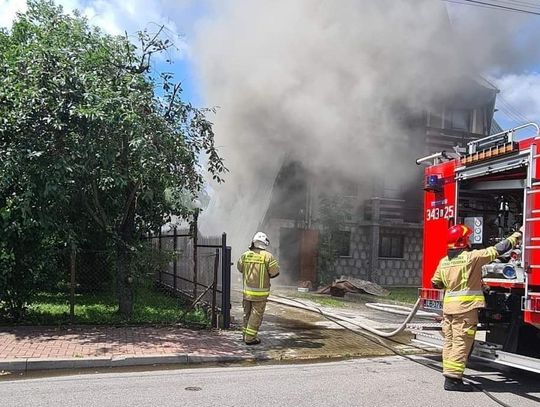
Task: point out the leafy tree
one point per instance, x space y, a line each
333 212
89 150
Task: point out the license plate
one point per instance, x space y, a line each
432 304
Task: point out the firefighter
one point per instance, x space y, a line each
460 275
258 266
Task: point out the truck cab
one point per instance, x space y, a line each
493 186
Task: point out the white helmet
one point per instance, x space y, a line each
260 240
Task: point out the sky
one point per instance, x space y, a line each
118 17
309 79
519 83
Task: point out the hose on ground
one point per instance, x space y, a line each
381 343
400 310
365 327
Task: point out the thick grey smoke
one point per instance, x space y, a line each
328 83
498 42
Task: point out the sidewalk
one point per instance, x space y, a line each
286 333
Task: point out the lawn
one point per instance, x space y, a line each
402 294
151 306
323 300
407 295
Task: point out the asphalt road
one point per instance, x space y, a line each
389 381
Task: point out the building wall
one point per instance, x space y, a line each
364 261
359 263
406 271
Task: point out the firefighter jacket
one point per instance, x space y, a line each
460 275
258 267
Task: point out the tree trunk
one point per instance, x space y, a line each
124 275
124 281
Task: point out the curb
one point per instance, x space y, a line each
23 365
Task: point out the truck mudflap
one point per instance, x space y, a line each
484 351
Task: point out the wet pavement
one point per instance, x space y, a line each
287 333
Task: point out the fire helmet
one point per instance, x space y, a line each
260 240
458 237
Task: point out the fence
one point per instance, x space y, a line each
200 270
79 284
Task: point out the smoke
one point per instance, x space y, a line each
497 42
330 84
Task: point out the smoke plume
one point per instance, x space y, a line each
330 84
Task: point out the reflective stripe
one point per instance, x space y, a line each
493 253
471 332
447 265
257 293
257 289
251 332
457 366
464 277
273 263
463 295
441 275
464 298
462 292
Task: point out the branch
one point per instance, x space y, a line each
129 201
176 88
148 44
93 214
98 206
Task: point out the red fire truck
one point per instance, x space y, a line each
493 186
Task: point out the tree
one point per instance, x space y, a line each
333 212
88 144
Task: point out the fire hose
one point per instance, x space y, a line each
387 335
365 327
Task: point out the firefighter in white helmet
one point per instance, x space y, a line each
460 275
258 266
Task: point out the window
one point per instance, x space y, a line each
391 246
342 241
459 119
434 119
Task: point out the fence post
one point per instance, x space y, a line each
214 290
195 243
175 247
225 282
72 283
160 277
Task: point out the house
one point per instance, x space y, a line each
381 239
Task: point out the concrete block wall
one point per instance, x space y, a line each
364 262
359 263
405 271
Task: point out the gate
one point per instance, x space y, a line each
200 271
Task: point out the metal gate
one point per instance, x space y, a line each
199 270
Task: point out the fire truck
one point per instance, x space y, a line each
493 186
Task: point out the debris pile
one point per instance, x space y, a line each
347 284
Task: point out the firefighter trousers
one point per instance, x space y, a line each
253 316
459 331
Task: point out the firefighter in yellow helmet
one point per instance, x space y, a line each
258 266
460 275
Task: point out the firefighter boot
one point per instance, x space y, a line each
451 384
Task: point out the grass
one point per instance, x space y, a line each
322 299
407 295
150 307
